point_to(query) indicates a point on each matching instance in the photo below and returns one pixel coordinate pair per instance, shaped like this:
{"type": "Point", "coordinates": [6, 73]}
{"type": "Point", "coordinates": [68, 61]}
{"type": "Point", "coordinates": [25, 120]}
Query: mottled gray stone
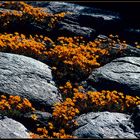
{"type": "Point", "coordinates": [28, 78]}
{"type": "Point", "coordinates": [104, 125]}
{"type": "Point", "coordinates": [122, 74]}
{"type": "Point", "coordinates": [66, 29]}
{"type": "Point", "coordinates": [10, 128]}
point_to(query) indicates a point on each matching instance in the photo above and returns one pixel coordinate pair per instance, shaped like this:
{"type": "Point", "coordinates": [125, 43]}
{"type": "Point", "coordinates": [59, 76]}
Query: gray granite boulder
{"type": "Point", "coordinates": [104, 125]}
{"type": "Point", "coordinates": [90, 19]}
{"type": "Point", "coordinates": [66, 29]}
{"type": "Point", "coordinates": [28, 78]}
{"type": "Point", "coordinates": [122, 74]}
{"type": "Point", "coordinates": [10, 128]}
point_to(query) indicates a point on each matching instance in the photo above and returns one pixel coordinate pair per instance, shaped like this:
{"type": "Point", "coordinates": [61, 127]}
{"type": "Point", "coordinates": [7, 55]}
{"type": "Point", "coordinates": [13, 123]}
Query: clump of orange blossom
{"type": "Point", "coordinates": [112, 101]}
{"type": "Point", "coordinates": [14, 105]}
{"type": "Point", "coordinates": [20, 44]}
{"type": "Point", "coordinates": [24, 12]}
{"type": "Point", "coordinates": [61, 124]}
{"type": "Point", "coordinates": [43, 133]}
{"type": "Point", "coordinates": [74, 56]}
{"type": "Point", "coordinates": [68, 89]}
{"type": "Point", "coordinates": [82, 102]}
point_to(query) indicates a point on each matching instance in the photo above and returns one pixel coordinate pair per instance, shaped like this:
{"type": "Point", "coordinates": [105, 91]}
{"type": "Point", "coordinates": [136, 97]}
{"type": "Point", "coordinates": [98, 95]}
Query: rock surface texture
{"type": "Point", "coordinates": [10, 128]}
{"type": "Point", "coordinates": [122, 74]}
{"type": "Point", "coordinates": [104, 125]}
{"type": "Point", "coordinates": [28, 78]}
{"type": "Point", "coordinates": [84, 19]}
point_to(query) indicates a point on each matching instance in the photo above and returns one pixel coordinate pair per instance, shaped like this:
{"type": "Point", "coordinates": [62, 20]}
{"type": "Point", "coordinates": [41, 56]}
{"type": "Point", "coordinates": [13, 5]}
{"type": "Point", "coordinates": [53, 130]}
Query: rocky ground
{"type": "Point", "coordinates": [67, 72]}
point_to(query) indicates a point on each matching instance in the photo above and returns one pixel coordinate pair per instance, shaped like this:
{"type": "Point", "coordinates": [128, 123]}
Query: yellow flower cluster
{"type": "Point", "coordinates": [112, 101]}
{"type": "Point", "coordinates": [68, 90]}
{"type": "Point", "coordinates": [75, 55]}
{"type": "Point", "coordinates": [65, 112]}
{"type": "Point", "coordinates": [43, 133]}
{"type": "Point", "coordinates": [93, 101]}
{"type": "Point", "coordinates": [34, 135]}
{"type": "Point", "coordinates": [20, 44]}
{"type": "Point", "coordinates": [29, 13]}
{"type": "Point", "coordinates": [62, 135]}
{"type": "Point", "coordinates": [15, 103]}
